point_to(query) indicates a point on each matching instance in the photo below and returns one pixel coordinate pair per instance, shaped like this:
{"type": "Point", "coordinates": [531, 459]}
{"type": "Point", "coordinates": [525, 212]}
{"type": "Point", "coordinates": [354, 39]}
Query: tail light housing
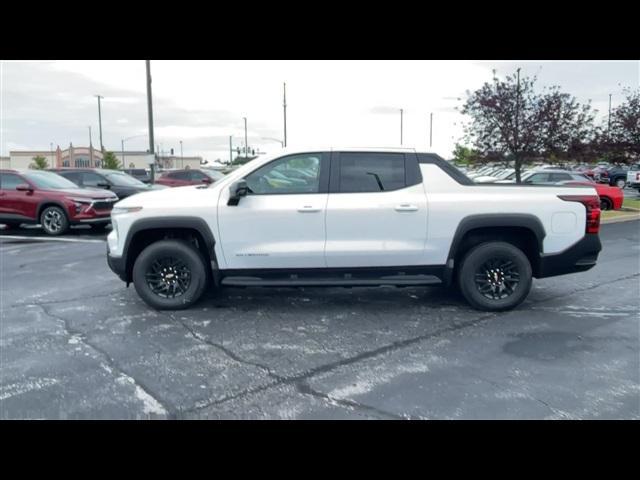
{"type": "Point", "coordinates": [592, 206]}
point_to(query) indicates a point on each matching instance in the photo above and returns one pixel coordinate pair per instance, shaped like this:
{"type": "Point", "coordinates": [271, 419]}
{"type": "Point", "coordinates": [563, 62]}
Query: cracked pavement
{"type": "Point", "coordinates": [76, 344]}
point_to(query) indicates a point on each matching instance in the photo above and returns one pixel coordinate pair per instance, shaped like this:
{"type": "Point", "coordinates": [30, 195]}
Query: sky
{"type": "Point", "coordinates": [333, 103]}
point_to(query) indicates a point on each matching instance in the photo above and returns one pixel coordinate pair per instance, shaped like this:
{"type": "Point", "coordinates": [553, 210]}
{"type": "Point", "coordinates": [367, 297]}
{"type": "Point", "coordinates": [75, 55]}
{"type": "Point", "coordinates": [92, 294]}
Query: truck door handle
{"type": "Point", "coordinates": [405, 207]}
{"type": "Point", "coordinates": [308, 209]}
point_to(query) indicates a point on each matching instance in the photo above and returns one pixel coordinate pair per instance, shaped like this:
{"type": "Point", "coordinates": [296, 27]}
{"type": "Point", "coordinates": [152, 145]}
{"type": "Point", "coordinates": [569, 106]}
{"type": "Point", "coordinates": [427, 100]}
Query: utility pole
{"type": "Point", "coordinates": [100, 121]}
{"type": "Point", "coordinates": [90, 149]}
{"type": "Point", "coordinates": [431, 130]}
{"type": "Point", "coordinates": [181, 155]}
{"type": "Point", "coordinates": [284, 106]}
{"type": "Point", "coordinates": [150, 116]}
{"type": "Point", "coordinates": [401, 112]}
{"type": "Point", "coordinates": [609, 120]}
{"type": "Point", "coordinates": [516, 145]}
{"type": "Point", "coordinates": [246, 143]}
{"type": "Point", "coordinates": [123, 164]}
{"type": "Point", "coordinates": [230, 149]}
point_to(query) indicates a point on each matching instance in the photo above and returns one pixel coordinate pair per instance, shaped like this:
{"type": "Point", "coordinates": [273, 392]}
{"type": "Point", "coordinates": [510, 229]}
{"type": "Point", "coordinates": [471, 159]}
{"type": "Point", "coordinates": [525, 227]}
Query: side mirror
{"type": "Point", "coordinates": [207, 180]}
{"type": "Point", "coordinates": [237, 190]}
{"type": "Point", "coordinates": [103, 185]}
{"type": "Point", "coordinates": [24, 187]}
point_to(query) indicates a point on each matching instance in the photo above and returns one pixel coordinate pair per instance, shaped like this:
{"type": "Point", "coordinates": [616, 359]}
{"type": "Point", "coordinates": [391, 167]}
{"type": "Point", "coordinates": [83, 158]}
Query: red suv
{"type": "Point", "coordinates": [36, 196]}
{"type": "Point", "coordinates": [181, 178]}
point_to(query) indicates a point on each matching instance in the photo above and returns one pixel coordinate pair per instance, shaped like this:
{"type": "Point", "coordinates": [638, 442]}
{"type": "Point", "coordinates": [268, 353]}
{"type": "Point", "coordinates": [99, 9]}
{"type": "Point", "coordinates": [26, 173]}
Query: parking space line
{"type": "Point", "coordinates": [52, 239]}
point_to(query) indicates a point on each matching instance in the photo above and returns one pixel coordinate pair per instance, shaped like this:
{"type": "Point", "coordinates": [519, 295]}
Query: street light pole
{"type": "Point", "coordinates": [230, 149]}
{"type": "Point", "coordinates": [609, 120]}
{"type": "Point", "coordinates": [517, 163]}
{"type": "Point", "coordinates": [100, 121]}
{"type": "Point", "coordinates": [125, 140]}
{"type": "Point", "coordinates": [246, 143]}
{"type": "Point", "coordinates": [150, 116]}
{"type": "Point", "coordinates": [431, 130]}
{"type": "Point", "coordinates": [51, 148]}
{"type": "Point", "coordinates": [284, 106]}
{"type": "Point", "coordinates": [401, 112]}
{"type": "Point", "coordinates": [181, 155]}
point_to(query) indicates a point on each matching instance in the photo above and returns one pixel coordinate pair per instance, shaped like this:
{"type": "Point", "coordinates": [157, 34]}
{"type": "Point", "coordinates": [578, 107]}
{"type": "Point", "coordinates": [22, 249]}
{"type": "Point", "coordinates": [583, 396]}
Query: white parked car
{"type": "Point", "coordinates": [352, 217]}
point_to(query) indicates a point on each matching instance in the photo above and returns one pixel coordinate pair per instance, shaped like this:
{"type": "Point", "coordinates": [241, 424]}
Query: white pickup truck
{"type": "Point", "coordinates": [352, 217]}
{"type": "Point", "coordinates": [633, 176]}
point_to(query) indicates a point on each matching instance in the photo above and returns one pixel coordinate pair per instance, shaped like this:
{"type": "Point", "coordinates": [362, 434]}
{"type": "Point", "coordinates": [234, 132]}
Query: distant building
{"type": "Point", "coordinates": [89, 157]}
{"type": "Point", "coordinates": [71, 157]}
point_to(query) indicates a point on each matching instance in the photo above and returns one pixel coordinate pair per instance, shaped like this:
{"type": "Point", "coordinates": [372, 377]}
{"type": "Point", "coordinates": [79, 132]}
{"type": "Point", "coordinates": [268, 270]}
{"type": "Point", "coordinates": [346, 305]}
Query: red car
{"type": "Point", "coordinates": [610, 197]}
{"type": "Point", "coordinates": [36, 196]}
{"type": "Point", "coordinates": [181, 178]}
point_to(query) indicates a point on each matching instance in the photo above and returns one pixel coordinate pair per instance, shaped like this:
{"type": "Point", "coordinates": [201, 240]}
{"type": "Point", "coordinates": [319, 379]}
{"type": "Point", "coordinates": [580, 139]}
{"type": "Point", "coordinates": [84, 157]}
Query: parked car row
{"type": "Point", "coordinates": [611, 197]}
{"type": "Point", "coordinates": [59, 198]}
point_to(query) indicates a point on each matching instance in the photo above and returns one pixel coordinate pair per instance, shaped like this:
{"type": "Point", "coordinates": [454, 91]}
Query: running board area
{"type": "Point", "coordinates": [325, 281]}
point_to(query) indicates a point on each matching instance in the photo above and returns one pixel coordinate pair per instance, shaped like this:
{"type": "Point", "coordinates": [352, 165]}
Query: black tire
{"type": "Point", "coordinates": [605, 204]}
{"type": "Point", "coordinates": [620, 183]}
{"type": "Point", "coordinates": [174, 259]}
{"type": "Point", "coordinates": [54, 221]}
{"type": "Point", "coordinates": [503, 273]}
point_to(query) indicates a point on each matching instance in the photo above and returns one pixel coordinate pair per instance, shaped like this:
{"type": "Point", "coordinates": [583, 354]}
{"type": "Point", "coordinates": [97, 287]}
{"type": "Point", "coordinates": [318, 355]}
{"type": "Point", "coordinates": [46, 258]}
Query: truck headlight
{"type": "Point", "coordinates": [122, 210]}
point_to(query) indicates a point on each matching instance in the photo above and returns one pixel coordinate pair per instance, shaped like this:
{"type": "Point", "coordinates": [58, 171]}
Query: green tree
{"type": "Point", "coordinates": [39, 163]}
{"type": "Point", "coordinates": [110, 161]}
{"type": "Point", "coordinates": [463, 155]}
{"type": "Point", "coordinates": [515, 121]}
{"type": "Point", "coordinates": [619, 141]}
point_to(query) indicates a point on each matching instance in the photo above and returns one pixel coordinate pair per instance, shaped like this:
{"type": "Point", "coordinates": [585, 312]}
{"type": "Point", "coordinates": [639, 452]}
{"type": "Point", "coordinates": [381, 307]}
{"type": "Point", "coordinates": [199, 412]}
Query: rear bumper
{"type": "Point", "coordinates": [579, 257]}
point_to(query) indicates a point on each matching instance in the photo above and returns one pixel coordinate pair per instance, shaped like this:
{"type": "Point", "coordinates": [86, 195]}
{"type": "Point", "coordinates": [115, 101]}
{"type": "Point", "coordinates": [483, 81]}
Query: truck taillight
{"type": "Point", "coordinates": [638, 176]}
{"type": "Point", "coordinates": [592, 205]}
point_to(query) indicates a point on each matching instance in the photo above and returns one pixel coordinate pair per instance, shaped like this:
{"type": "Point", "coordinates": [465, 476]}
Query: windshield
{"type": "Point", "coordinates": [121, 179]}
{"type": "Point", "coordinates": [49, 180]}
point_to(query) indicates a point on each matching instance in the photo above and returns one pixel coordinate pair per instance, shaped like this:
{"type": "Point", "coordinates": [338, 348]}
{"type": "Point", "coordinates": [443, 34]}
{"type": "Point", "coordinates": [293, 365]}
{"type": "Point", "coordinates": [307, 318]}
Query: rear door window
{"type": "Point", "coordinates": [371, 172]}
{"type": "Point", "coordinates": [560, 177]}
{"type": "Point", "coordinates": [91, 179]}
{"type": "Point", "coordinates": [538, 178]}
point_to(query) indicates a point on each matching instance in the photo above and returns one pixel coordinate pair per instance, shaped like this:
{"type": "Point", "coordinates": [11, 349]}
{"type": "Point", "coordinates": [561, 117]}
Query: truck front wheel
{"type": "Point", "coordinates": [495, 276]}
{"type": "Point", "coordinates": [170, 275]}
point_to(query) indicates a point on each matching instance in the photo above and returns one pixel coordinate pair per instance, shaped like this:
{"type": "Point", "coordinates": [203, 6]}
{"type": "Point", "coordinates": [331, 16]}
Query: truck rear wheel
{"type": "Point", "coordinates": [170, 275]}
{"type": "Point", "coordinates": [495, 276]}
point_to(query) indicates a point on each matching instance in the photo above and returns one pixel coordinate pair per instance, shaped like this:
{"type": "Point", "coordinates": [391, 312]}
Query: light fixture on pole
{"type": "Point", "coordinates": [431, 130]}
{"type": "Point", "coordinates": [124, 165]}
{"type": "Point", "coordinates": [246, 143]}
{"type": "Point", "coordinates": [282, 144]}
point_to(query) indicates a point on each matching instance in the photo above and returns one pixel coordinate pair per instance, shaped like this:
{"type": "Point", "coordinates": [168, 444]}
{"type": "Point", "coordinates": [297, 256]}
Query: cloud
{"type": "Point", "coordinates": [204, 102]}
{"type": "Point", "coordinates": [384, 110]}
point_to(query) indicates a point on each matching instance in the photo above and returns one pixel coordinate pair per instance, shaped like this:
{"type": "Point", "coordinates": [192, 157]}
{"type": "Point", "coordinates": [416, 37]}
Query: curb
{"type": "Point", "coordinates": [623, 218]}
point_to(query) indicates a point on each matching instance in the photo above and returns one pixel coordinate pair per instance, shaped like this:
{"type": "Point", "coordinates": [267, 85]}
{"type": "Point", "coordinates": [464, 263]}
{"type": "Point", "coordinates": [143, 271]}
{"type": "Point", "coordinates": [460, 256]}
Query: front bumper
{"type": "Point", "coordinates": [117, 265]}
{"type": "Point", "coordinates": [95, 220]}
{"type": "Point", "coordinates": [580, 257]}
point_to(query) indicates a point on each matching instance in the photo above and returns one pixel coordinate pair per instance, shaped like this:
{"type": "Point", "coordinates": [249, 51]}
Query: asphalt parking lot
{"type": "Point", "coordinates": [75, 343]}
